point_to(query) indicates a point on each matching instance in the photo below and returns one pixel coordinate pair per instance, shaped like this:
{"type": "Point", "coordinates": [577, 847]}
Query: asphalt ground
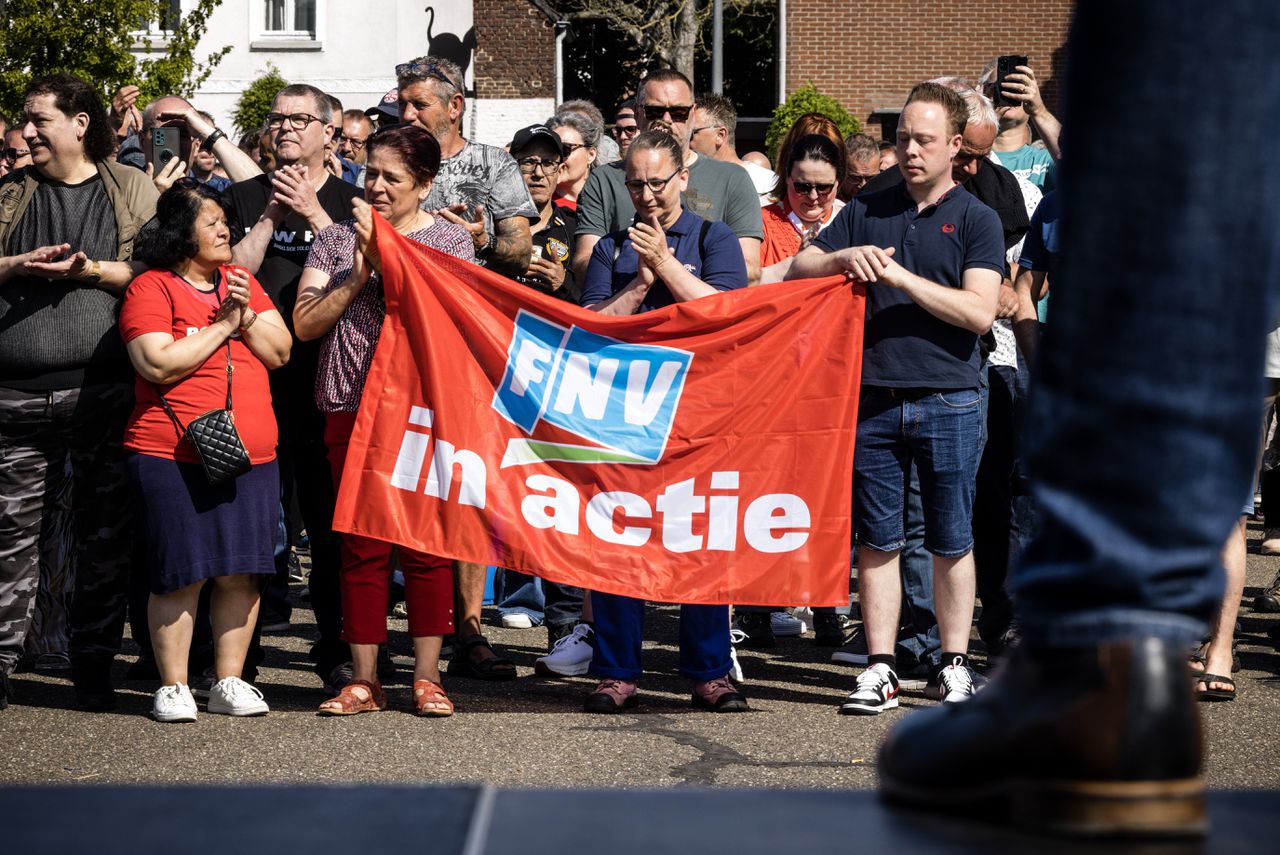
{"type": "Point", "coordinates": [531, 732]}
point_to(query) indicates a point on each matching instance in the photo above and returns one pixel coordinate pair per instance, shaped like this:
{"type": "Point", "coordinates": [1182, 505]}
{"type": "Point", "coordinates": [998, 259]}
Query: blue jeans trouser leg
{"type": "Point", "coordinates": [1149, 388]}
{"type": "Point", "coordinates": [704, 639]}
{"type": "Point", "coordinates": [916, 567]}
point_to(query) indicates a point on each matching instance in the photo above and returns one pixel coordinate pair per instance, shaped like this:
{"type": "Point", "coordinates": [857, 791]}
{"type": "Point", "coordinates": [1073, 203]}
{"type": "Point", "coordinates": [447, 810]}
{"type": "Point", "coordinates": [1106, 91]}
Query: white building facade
{"type": "Point", "coordinates": [347, 49]}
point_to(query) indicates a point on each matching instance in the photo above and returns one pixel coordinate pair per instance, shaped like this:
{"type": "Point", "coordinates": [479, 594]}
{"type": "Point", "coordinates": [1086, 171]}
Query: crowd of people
{"type": "Point", "coordinates": [138, 296]}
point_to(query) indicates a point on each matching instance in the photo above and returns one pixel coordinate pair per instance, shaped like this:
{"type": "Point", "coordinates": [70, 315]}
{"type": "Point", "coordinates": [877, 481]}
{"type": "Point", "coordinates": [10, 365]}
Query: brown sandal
{"type": "Point", "coordinates": [429, 700]}
{"type": "Point", "coordinates": [349, 702]}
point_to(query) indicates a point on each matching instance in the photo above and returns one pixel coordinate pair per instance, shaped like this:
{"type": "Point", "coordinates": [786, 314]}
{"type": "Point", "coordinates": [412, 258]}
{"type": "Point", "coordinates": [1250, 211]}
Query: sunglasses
{"type": "Point", "coordinates": [804, 188]}
{"type": "Point", "coordinates": [428, 69]}
{"type": "Point", "coordinates": [570, 147]}
{"type": "Point", "coordinates": [678, 114]}
{"type": "Point", "coordinates": [15, 153]}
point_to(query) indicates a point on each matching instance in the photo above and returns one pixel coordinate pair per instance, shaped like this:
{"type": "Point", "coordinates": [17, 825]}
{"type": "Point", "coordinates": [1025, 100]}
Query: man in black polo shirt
{"type": "Point", "coordinates": [933, 259]}
{"type": "Point", "coordinates": [275, 219]}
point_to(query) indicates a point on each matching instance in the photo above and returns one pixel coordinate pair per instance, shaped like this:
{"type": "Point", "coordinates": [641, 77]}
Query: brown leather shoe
{"type": "Point", "coordinates": [1100, 741]}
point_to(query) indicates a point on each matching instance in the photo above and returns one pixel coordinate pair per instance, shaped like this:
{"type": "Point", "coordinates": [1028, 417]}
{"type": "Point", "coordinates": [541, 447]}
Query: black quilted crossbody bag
{"type": "Point", "coordinates": [215, 439]}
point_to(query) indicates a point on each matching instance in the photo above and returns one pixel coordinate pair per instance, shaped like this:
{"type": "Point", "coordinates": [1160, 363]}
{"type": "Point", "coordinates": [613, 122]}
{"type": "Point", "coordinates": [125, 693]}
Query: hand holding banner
{"type": "Point", "coordinates": [701, 453]}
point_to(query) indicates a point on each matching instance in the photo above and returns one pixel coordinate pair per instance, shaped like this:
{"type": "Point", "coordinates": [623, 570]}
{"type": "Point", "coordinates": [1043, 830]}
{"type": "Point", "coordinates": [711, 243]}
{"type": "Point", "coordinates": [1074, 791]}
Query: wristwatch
{"type": "Point", "coordinates": [487, 249]}
{"type": "Point", "coordinates": [212, 140]}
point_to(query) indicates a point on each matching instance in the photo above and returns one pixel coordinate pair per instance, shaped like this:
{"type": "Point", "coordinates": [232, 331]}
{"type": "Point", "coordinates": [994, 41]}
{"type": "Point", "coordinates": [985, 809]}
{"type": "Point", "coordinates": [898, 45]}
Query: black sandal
{"type": "Point", "coordinates": [495, 668]}
{"type": "Point", "coordinates": [1207, 694]}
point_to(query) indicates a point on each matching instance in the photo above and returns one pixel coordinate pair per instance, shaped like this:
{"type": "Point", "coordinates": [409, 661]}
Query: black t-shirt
{"type": "Point", "coordinates": [292, 387]}
{"type": "Point", "coordinates": [904, 346]}
{"type": "Point", "coordinates": [61, 335]}
{"type": "Point", "coordinates": [291, 244]}
{"type": "Point", "coordinates": [555, 242]}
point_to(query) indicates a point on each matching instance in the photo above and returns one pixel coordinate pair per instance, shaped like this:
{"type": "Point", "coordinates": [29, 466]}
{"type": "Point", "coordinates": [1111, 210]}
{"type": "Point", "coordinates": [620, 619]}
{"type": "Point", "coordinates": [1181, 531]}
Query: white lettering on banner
{"type": "Point", "coordinates": [761, 521]}
{"type": "Point", "coordinates": [578, 387]}
{"type": "Point", "coordinates": [772, 523]}
{"type": "Point", "coordinates": [559, 510]}
{"type": "Point", "coordinates": [600, 511]}
{"type": "Point", "coordinates": [526, 372]}
{"type": "Point", "coordinates": [413, 453]}
{"type": "Point", "coordinates": [641, 409]}
{"type": "Point", "coordinates": [678, 504]}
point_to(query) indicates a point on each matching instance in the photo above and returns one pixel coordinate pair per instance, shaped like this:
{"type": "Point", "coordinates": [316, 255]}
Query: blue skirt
{"type": "Point", "coordinates": [190, 530]}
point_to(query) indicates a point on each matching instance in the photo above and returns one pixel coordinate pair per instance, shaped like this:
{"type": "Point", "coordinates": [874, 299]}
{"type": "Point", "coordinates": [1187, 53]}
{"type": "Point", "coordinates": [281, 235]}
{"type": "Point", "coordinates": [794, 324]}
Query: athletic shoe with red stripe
{"type": "Point", "coordinates": [876, 691]}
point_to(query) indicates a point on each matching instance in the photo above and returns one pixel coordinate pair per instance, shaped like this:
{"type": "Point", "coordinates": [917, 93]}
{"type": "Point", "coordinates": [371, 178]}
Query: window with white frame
{"type": "Point", "coordinates": [163, 25]}
{"type": "Point", "coordinates": [290, 18]}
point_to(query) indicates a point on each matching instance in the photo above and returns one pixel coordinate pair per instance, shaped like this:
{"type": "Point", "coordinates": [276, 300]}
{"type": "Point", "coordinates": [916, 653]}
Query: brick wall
{"type": "Point", "coordinates": [515, 50]}
{"type": "Point", "coordinates": [869, 55]}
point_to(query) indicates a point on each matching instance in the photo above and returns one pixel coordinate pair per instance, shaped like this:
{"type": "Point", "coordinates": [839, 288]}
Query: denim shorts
{"type": "Point", "coordinates": [943, 433]}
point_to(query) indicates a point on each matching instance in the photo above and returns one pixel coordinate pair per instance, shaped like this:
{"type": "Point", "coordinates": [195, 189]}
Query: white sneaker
{"type": "Point", "coordinates": [876, 691]}
{"type": "Point", "coordinates": [173, 703]}
{"type": "Point", "coordinates": [957, 682]}
{"type": "Point", "coordinates": [786, 626]}
{"type": "Point", "coordinates": [233, 696]}
{"type": "Point", "coordinates": [516, 620]}
{"type": "Point", "coordinates": [735, 667]}
{"type": "Point", "coordinates": [570, 656]}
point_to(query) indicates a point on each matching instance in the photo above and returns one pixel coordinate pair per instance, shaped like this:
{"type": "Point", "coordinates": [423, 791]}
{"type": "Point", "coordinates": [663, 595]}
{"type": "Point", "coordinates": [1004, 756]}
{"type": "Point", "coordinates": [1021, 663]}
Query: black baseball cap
{"type": "Point", "coordinates": [527, 136]}
{"type": "Point", "coordinates": [388, 106]}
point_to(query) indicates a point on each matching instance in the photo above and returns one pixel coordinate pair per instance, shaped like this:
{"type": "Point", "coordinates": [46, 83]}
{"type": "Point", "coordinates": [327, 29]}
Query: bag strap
{"type": "Point", "coordinates": [168, 409]}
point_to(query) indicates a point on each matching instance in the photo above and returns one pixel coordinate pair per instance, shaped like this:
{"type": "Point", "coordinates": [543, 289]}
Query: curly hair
{"type": "Point", "coordinates": [170, 238]}
{"type": "Point", "coordinates": [71, 95]}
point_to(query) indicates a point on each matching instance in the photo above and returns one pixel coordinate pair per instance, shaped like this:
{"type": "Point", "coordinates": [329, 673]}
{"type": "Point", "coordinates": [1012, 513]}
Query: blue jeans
{"type": "Point", "coordinates": [941, 433]}
{"type": "Point", "coordinates": [1145, 417]}
{"type": "Point", "coordinates": [704, 639]}
{"type": "Point", "coordinates": [921, 639]}
{"type": "Point", "coordinates": [1003, 515]}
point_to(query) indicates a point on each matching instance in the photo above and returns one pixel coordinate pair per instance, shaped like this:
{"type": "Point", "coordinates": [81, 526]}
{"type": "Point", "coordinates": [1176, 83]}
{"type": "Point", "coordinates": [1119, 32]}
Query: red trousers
{"type": "Point", "coordinates": [366, 569]}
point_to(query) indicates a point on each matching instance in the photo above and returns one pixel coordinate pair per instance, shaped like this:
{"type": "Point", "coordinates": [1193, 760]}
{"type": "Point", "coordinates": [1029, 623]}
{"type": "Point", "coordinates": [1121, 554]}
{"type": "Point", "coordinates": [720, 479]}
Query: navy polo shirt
{"type": "Point", "coordinates": [903, 345]}
{"type": "Point", "coordinates": [716, 259]}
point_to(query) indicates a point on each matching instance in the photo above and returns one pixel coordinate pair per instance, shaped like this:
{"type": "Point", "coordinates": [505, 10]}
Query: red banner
{"type": "Point", "coordinates": [700, 453]}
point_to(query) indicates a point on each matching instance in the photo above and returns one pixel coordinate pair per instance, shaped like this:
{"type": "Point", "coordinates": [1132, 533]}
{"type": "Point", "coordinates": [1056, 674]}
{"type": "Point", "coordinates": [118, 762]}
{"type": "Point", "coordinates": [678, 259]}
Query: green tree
{"type": "Point", "coordinates": [807, 99]}
{"type": "Point", "coordinates": [95, 40]}
{"type": "Point", "coordinates": [255, 102]}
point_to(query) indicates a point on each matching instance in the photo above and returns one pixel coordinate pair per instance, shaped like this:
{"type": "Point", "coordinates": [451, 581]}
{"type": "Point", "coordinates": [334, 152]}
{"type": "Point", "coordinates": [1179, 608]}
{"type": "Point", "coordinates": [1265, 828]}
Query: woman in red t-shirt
{"type": "Point", "coordinates": [193, 325]}
{"type": "Point", "coordinates": [806, 204]}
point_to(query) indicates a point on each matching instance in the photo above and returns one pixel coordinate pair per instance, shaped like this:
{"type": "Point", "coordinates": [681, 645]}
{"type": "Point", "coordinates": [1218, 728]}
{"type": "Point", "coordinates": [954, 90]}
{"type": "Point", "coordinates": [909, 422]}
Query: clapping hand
{"type": "Point", "coordinates": [293, 189]}
{"type": "Point", "coordinates": [367, 259]}
{"type": "Point", "coordinates": [234, 309]}
{"type": "Point", "coordinates": [41, 262]}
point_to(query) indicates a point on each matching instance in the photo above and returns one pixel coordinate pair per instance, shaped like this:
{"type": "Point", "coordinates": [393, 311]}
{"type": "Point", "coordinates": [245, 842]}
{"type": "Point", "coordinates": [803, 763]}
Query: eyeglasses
{"type": "Point", "coordinates": [355, 142]}
{"type": "Point", "coordinates": [704, 128]}
{"type": "Point", "coordinates": [529, 165]}
{"type": "Point", "coordinates": [636, 187]}
{"type": "Point", "coordinates": [570, 147]}
{"type": "Point", "coordinates": [15, 153]}
{"type": "Point", "coordinates": [429, 69]}
{"type": "Point", "coordinates": [297, 121]}
{"type": "Point", "coordinates": [804, 188]}
{"type": "Point", "coordinates": [678, 114]}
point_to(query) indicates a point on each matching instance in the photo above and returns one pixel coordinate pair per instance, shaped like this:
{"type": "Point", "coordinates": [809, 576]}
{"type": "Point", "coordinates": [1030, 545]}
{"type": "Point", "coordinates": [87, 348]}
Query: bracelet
{"type": "Point", "coordinates": [95, 271]}
{"type": "Point", "coordinates": [244, 327]}
{"type": "Point", "coordinates": [212, 140]}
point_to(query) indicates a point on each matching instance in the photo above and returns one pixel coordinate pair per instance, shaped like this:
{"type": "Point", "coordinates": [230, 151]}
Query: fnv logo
{"type": "Point", "coordinates": [620, 398]}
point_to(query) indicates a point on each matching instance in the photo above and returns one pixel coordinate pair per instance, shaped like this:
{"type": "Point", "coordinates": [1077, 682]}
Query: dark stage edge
{"type": "Point", "coordinates": [483, 821]}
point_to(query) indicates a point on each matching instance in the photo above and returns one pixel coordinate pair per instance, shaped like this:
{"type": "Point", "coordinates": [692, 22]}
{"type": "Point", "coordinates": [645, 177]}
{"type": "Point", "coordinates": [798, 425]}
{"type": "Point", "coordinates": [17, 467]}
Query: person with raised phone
{"type": "Point", "coordinates": [668, 255]}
